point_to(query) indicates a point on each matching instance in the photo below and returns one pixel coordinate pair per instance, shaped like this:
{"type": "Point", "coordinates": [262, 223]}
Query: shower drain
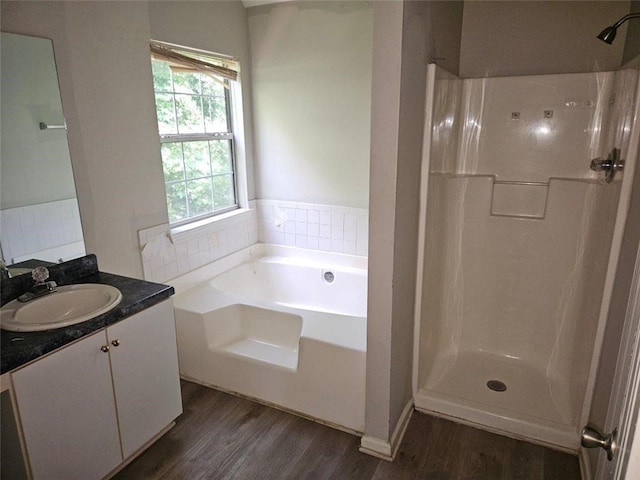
{"type": "Point", "coordinates": [496, 385]}
{"type": "Point", "coordinates": [329, 276]}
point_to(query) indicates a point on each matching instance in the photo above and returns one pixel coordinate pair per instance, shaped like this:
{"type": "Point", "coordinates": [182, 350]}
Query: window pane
{"type": "Point", "coordinates": [189, 110]}
{"type": "Point", "coordinates": [186, 82]}
{"type": "Point", "coordinates": [210, 86]}
{"type": "Point", "coordinates": [215, 114]}
{"type": "Point", "coordinates": [161, 76]}
{"type": "Point", "coordinates": [176, 201]}
{"type": "Point", "coordinates": [172, 162]}
{"type": "Point", "coordinates": [196, 159]}
{"type": "Point", "coordinates": [223, 191]}
{"type": "Point", "coordinates": [220, 156]}
{"type": "Point", "coordinates": [166, 114]}
{"type": "Point", "coordinates": [199, 174]}
{"type": "Point", "coordinates": [200, 197]}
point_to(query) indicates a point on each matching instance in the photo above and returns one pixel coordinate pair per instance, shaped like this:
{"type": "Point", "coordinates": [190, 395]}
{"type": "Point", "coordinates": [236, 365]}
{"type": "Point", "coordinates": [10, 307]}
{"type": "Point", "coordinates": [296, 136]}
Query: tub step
{"type": "Point", "coordinates": [264, 352]}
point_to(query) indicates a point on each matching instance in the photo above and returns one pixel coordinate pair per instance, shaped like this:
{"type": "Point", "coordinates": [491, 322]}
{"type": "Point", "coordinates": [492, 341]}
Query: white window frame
{"type": "Point", "coordinates": [238, 150]}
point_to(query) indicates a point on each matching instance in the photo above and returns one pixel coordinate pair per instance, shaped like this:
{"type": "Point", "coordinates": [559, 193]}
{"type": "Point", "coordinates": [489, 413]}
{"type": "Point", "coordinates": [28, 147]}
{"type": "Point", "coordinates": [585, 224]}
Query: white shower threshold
{"type": "Point", "coordinates": [525, 410]}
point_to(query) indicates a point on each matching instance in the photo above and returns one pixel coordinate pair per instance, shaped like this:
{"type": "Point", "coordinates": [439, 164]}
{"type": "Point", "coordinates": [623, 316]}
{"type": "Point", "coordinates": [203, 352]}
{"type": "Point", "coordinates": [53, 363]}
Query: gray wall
{"type": "Point", "coordinates": [311, 78]}
{"type": "Point", "coordinates": [632, 41]}
{"type": "Point", "coordinates": [403, 38]}
{"type": "Point", "coordinates": [538, 37]}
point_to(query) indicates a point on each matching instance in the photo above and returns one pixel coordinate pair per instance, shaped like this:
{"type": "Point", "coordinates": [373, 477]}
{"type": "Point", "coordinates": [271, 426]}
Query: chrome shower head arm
{"type": "Point", "coordinates": [609, 34]}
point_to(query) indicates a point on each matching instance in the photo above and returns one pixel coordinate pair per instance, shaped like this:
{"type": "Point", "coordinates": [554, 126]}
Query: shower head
{"type": "Point", "coordinates": [608, 35]}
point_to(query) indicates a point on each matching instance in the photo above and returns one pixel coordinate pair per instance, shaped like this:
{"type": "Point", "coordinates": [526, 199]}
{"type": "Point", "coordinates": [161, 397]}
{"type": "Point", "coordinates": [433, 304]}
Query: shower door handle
{"type": "Point", "coordinates": [610, 166]}
{"type": "Point", "coordinates": [592, 437]}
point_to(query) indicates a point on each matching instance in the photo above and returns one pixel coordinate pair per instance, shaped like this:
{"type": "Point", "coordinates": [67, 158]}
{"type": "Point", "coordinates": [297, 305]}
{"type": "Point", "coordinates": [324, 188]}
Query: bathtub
{"type": "Point", "coordinates": [281, 325]}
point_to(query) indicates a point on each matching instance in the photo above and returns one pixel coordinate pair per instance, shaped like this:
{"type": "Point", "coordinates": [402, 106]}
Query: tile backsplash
{"type": "Point", "coordinates": [329, 228]}
{"type": "Point", "coordinates": [165, 256]}
{"type": "Point", "coordinates": [47, 231]}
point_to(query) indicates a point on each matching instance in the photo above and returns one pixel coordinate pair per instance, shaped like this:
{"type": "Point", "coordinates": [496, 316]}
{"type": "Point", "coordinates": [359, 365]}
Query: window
{"type": "Point", "coordinates": [193, 106]}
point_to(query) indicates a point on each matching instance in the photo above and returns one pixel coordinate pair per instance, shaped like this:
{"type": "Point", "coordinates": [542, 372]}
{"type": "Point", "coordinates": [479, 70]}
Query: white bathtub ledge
{"type": "Point", "coordinates": [340, 330]}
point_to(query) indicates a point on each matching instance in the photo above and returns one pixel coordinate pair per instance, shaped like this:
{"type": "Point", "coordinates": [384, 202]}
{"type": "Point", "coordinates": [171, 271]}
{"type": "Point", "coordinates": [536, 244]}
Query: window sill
{"type": "Point", "coordinates": [190, 229]}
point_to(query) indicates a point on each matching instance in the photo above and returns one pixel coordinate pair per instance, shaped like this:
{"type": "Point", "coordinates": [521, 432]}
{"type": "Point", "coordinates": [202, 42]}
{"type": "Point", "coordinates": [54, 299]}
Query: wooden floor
{"type": "Point", "coordinates": [220, 436]}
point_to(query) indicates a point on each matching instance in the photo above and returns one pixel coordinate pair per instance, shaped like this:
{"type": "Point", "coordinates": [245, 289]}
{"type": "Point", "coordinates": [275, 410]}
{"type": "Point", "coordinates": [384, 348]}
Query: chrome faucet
{"type": "Point", "coordinates": [41, 287]}
{"type": "Point", "coordinates": [4, 271]}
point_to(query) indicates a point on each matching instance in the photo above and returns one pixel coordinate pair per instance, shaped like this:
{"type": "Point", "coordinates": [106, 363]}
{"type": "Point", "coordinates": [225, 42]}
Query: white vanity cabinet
{"type": "Point", "coordinates": [89, 406]}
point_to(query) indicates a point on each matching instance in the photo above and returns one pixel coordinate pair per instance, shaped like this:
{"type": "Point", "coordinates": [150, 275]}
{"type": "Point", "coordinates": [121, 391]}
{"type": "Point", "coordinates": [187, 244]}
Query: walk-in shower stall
{"type": "Point", "coordinates": [516, 235]}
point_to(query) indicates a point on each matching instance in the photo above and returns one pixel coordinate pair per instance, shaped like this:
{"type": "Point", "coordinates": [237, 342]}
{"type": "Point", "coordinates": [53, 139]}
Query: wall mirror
{"type": "Point", "coordinates": [39, 216]}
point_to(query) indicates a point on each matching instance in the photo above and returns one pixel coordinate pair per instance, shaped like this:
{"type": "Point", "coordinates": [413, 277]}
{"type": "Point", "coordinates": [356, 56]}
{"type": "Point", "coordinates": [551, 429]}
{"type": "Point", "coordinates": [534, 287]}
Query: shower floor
{"type": "Point", "coordinates": [461, 391]}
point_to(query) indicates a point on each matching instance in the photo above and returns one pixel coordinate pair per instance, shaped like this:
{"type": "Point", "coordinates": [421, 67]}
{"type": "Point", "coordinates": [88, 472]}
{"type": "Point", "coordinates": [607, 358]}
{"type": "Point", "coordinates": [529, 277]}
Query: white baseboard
{"type": "Point", "coordinates": [387, 450]}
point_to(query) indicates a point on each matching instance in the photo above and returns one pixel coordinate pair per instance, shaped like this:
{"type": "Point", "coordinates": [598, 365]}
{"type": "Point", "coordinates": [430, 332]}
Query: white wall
{"type": "Point", "coordinates": [538, 37]}
{"type": "Point", "coordinates": [311, 75]}
{"type": "Point", "coordinates": [102, 50]}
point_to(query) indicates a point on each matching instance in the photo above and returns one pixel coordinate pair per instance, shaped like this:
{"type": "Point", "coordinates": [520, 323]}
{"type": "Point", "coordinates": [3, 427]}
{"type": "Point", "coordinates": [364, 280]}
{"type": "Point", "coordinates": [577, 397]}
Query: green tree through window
{"type": "Point", "coordinates": [194, 122]}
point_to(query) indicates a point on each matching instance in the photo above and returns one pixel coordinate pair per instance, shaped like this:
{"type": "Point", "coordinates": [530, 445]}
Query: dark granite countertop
{"type": "Point", "coordinates": [19, 348]}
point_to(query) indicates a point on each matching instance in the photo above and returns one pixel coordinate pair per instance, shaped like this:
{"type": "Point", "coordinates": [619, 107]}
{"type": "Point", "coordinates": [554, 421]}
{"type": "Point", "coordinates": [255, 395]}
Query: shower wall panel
{"type": "Point", "coordinates": [535, 127]}
{"type": "Point", "coordinates": [517, 236]}
{"type": "Point", "coordinates": [447, 98]}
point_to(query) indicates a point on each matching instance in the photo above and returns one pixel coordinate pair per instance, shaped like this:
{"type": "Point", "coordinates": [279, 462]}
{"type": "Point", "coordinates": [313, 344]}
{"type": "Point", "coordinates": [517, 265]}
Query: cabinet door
{"type": "Point", "coordinates": [67, 411]}
{"type": "Point", "coordinates": [145, 374]}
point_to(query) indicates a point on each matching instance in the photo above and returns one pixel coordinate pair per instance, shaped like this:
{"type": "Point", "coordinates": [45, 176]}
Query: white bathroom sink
{"type": "Point", "coordinates": [69, 305]}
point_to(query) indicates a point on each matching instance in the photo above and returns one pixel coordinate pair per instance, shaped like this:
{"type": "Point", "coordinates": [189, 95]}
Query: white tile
{"type": "Point", "coordinates": [159, 274]}
{"type": "Point", "coordinates": [337, 218]}
{"type": "Point", "coordinates": [350, 220]}
{"type": "Point", "coordinates": [182, 252]}
{"type": "Point", "coordinates": [313, 242]}
{"type": "Point", "coordinates": [325, 231]}
{"type": "Point", "coordinates": [350, 234]}
{"type": "Point", "coordinates": [169, 255]}
{"type": "Point", "coordinates": [183, 266]}
{"type": "Point", "coordinates": [289, 227]}
{"type": "Point", "coordinates": [290, 239]}
{"type": "Point", "coordinates": [206, 257]}
{"type": "Point", "coordinates": [192, 246]}
{"type": "Point", "coordinates": [194, 262]}
{"type": "Point", "coordinates": [27, 218]}
{"type": "Point", "coordinates": [313, 216]}
{"type": "Point", "coordinates": [290, 213]}
{"type": "Point", "coordinates": [301, 215]}
{"type": "Point", "coordinates": [313, 230]}
{"type": "Point", "coordinates": [171, 270]}
{"type": "Point", "coordinates": [324, 244]}
{"type": "Point", "coordinates": [274, 237]}
{"type": "Point", "coordinates": [203, 243]}
{"type": "Point", "coordinates": [301, 241]}
{"type": "Point", "coordinates": [337, 233]}
{"type": "Point", "coordinates": [337, 246]}
{"type": "Point", "coordinates": [301, 228]}
{"type": "Point", "coordinates": [223, 236]}
{"type": "Point", "coordinates": [350, 247]}
{"type": "Point", "coordinates": [362, 248]}
{"type": "Point", "coordinates": [325, 218]}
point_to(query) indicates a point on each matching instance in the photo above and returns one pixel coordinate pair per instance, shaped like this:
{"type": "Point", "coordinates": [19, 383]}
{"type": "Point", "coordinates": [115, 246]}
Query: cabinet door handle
{"type": "Point", "coordinates": [104, 348]}
{"type": "Point", "coordinates": [115, 343]}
